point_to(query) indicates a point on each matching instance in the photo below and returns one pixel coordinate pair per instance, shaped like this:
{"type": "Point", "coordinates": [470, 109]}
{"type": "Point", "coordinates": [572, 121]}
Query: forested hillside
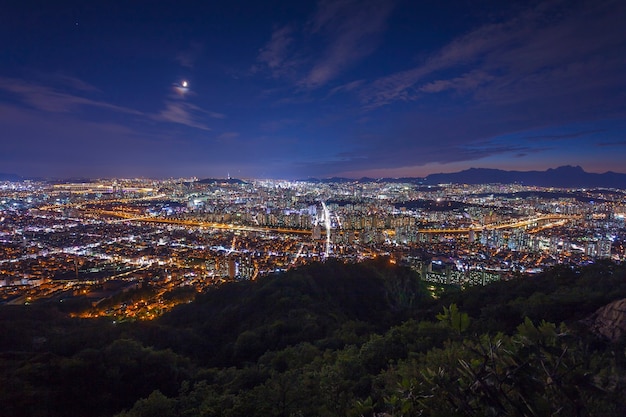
{"type": "Point", "coordinates": [329, 339]}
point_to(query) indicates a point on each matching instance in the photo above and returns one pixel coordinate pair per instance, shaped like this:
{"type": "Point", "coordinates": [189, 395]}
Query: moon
{"type": "Point", "coordinates": [181, 87]}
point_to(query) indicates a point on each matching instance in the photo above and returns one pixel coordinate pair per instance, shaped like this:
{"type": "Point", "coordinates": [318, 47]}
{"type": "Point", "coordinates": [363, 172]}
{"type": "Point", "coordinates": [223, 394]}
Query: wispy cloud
{"type": "Point", "coordinates": [466, 82]}
{"type": "Point", "coordinates": [344, 88]}
{"type": "Point", "coordinates": [51, 100]}
{"type": "Point", "coordinates": [374, 157]}
{"type": "Point", "coordinates": [618, 143]}
{"type": "Point", "coordinates": [545, 50]}
{"type": "Point", "coordinates": [188, 114]}
{"type": "Point", "coordinates": [181, 113]}
{"type": "Point", "coordinates": [353, 30]}
{"type": "Point", "coordinates": [467, 49]}
{"type": "Point", "coordinates": [564, 136]}
{"type": "Point", "coordinates": [276, 55]}
{"type": "Point", "coordinates": [347, 30]}
{"type": "Point", "coordinates": [64, 80]}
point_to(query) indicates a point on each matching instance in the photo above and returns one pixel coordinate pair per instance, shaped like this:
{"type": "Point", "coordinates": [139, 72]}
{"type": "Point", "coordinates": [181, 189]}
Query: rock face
{"type": "Point", "coordinates": [609, 321]}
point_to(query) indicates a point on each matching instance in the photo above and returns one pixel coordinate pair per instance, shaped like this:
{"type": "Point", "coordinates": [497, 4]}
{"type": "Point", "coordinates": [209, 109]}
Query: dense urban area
{"type": "Point", "coordinates": [134, 248]}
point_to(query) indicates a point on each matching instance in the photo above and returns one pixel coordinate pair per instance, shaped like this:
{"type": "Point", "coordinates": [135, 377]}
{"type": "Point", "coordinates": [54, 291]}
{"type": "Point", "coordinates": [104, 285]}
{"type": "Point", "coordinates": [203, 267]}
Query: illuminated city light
{"type": "Point", "coordinates": [111, 237]}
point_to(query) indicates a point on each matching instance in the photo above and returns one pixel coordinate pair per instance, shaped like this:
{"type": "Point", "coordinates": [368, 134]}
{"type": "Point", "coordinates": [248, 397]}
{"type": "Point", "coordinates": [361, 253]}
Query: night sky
{"type": "Point", "coordinates": [294, 89]}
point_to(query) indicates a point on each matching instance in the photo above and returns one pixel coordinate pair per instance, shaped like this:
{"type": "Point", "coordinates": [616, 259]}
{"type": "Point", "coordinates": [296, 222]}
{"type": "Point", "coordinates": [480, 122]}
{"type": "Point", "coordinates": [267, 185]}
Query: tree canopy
{"type": "Point", "coordinates": [329, 339]}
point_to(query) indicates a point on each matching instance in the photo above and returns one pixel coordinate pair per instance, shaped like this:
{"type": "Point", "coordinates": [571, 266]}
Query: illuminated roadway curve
{"type": "Point", "coordinates": [225, 226]}
{"type": "Point", "coordinates": [133, 217]}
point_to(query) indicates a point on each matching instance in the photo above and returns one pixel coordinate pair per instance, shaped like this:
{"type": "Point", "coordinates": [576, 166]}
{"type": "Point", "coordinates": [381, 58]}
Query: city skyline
{"type": "Point", "coordinates": [310, 89]}
{"type": "Point", "coordinates": [97, 239]}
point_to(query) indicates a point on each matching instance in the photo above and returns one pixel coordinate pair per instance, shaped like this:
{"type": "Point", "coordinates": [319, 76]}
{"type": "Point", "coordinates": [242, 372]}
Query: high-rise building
{"type": "Point", "coordinates": [317, 232]}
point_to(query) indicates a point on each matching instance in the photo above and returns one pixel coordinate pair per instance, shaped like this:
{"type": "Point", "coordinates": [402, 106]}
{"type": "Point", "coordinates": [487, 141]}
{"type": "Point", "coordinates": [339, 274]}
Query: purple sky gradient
{"type": "Point", "coordinates": [288, 89]}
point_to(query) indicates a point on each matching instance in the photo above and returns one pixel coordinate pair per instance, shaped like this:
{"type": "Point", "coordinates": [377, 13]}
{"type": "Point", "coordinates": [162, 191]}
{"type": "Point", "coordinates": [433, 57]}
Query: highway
{"type": "Point", "coordinates": [556, 219]}
{"type": "Point", "coordinates": [196, 223]}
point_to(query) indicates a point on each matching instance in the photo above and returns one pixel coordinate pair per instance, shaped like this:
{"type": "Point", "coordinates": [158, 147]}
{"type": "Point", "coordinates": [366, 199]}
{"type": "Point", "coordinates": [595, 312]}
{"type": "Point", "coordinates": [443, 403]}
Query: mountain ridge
{"type": "Point", "coordinates": [566, 176]}
{"type": "Point", "coordinates": [10, 177]}
{"type": "Point", "coordinates": [563, 177]}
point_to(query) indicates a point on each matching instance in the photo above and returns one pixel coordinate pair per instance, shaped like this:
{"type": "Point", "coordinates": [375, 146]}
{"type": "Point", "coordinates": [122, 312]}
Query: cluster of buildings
{"type": "Point", "coordinates": [59, 242]}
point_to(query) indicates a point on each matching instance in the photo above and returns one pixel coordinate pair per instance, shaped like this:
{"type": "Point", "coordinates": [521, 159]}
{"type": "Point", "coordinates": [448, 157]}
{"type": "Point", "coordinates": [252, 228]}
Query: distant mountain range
{"type": "Point", "coordinates": [561, 177]}
{"type": "Point", "coordinates": [10, 177]}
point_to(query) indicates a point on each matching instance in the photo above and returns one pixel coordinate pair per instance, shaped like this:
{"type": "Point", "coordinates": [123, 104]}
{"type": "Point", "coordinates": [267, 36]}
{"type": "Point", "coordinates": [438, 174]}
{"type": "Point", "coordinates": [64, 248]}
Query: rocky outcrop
{"type": "Point", "coordinates": [609, 321]}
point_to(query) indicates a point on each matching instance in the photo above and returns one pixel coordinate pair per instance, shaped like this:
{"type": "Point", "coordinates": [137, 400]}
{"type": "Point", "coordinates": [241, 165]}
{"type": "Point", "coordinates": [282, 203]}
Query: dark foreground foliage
{"type": "Point", "coordinates": [329, 339]}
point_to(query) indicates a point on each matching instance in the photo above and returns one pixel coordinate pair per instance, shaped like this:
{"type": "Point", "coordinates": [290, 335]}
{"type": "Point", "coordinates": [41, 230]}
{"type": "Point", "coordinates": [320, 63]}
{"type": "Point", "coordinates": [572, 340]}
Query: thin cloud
{"type": "Point", "coordinates": [553, 47]}
{"type": "Point", "coordinates": [275, 52]}
{"type": "Point", "coordinates": [461, 51]}
{"type": "Point", "coordinates": [348, 87]}
{"type": "Point", "coordinates": [64, 80]}
{"type": "Point", "coordinates": [50, 100]}
{"type": "Point", "coordinates": [611, 144]}
{"type": "Point", "coordinates": [348, 31]}
{"type": "Point", "coordinates": [212, 114]}
{"type": "Point", "coordinates": [466, 82]}
{"type": "Point", "coordinates": [353, 30]}
{"type": "Point", "coordinates": [373, 158]}
{"type": "Point", "coordinates": [182, 113]}
{"type": "Point", "coordinates": [565, 136]}
{"type": "Point", "coordinates": [276, 55]}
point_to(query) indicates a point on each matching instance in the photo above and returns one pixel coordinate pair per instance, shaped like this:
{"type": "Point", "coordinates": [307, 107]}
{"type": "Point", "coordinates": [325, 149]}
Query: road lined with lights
{"type": "Point", "coordinates": [557, 220]}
